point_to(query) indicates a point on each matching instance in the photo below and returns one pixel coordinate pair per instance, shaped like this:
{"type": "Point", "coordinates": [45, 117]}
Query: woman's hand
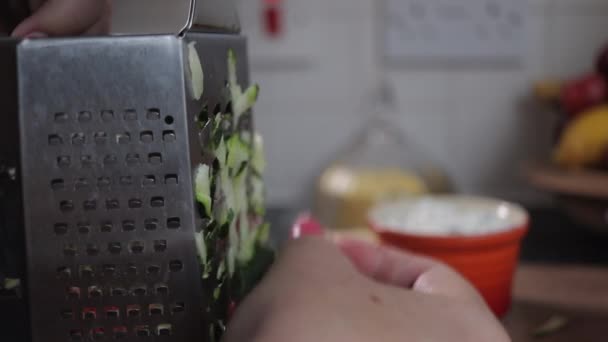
{"type": "Point", "coordinates": [359, 292]}
{"type": "Point", "coordinates": [52, 18]}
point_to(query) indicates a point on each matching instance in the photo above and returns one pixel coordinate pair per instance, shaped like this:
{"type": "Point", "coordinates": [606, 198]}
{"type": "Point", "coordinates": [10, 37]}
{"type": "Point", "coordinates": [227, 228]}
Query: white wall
{"type": "Point", "coordinates": [474, 120]}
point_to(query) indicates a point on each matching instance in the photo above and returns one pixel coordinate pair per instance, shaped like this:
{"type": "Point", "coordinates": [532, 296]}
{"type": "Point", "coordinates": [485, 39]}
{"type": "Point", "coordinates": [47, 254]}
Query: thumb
{"type": "Point", "coordinates": [66, 17]}
{"type": "Point", "coordinates": [406, 270]}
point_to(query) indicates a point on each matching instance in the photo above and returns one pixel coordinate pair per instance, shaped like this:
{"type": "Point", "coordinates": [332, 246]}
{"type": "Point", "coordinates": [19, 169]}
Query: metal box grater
{"type": "Point", "coordinates": [97, 150]}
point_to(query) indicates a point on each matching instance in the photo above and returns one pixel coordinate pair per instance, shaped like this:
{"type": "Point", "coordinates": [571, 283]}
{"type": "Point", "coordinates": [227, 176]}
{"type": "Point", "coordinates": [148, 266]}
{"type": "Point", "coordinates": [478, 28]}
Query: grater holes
{"type": "Point", "coordinates": [132, 159]}
{"type": "Point", "coordinates": [135, 203]}
{"type": "Point", "coordinates": [109, 270]}
{"type": "Point", "coordinates": [123, 138]}
{"type": "Point", "coordinates": [95, 292]}
{"type": "Point", "coordinates": [133, 310]}
{"type": "Point", "coordinates": [126, 180]}
{"type": "Point", "coordinates": [85, 116]}
{"type": "Point", "coordinates": [110, 160]}
{"type": "Point", "coordinates": [98, 334]}
{"type": "Point", "coordinates": [60, 228]}
{"type": "Point", "coordinates": [160, 245]}
{"type": "Point", "coordinates": [157, 202]}
{"type": "Point", "coordinates": [176, 266]}
{"type": "Point", "coordinates": [81, 183]}
{"type": "Point", "coordinates": [137, 247]}
{"type": "Point", "coordinates": [92, 249]}
{"type": "Point", "coordinates": [58, 184]}
{"type": "Point", "coordinates": [132, 269]}
{"type": "Point", "coordinates": [169, 120]}
{"type": "Point", "coordinates": [89, 205]}
{"type": "Point", "coordinates": [67, 314]}
{"type": "Point", "coordinates": [104, 182]}
{"type": "Point", "coordinates": [64, 272]}
{"type": "Point", "coordinates": [86, 161]}
{"type": "Point", "coordinates": [61, 117]}
{"type": "Point", "coordinates": [169, 136]}
{"type": "Point", "coordinates": [55, 140]}
{"type": "Point", "coordinates": [118, 292]}
{"type": "Point", "coordinates": [173, 223]}
{"type": "Point", "coordinates": [83, 227]}
{"type": "Point", "coordinates": [228, 109]}
{"type": "Point", "coordinates": [78, 139]}
{"type": "Point", "coordinates": [107, 115]}
{"type": "Point", "coordinates": [149, 180]}
{"type": "Point", "coordinates": [66, 206]}
{"type": "Point", "coordinates": [153, 114]}
{"type": "Point", "coordinates": [155, 158]}
{"type": "Point", "coordinates": [100, 138]}
{"type": "Point", "coordinates": [139, 291]}
{"type": "Point", "coordinates": [73, 292]}
{"type": "Point", "coordinates": [64, 162]}
{"type": "Point", "coordinates": [89, 314]}
{"type": "Point", "coordinates": [178, 308]}
{"type": "Point", "coordinates": [146, 136]}
{"type": "Point", "coordinates": [112, 203]}
{"type": "Point", "coordinates": [161, 289]}
{"type": "Point", "coordinates": [153, 269]}
{"type": "Point", "coordinates": [130, 115]}
{"type": "Point", "coordinates": [156, 309]}
{"type": "Point", "coordinates": [107, 227]}
{"type": "Point", "coordinates": [128, 225]}
{"type": "Point", "coordinates": [119, 332]}
{"type": "Point", "coordinates": [142, 331]}
{"type": "Point", "coordinates": [164, 329]}
{"type": "Point", "coordinates": [69, 250]}
{"type": "Point", "coordinates": [112, 312]}
{"type": "Point", "coordinates": [151, 224]}
{"type": "Point", "coordinates": [217, 109]}
{"type": "Point", "coordinates": [114, 247]}
{"type": "Point", "coordinates": [86, 271]}
{"type": "Point", "coordinates": [171, 179]}
{"type": "Point", "coordinates": [75, 335]}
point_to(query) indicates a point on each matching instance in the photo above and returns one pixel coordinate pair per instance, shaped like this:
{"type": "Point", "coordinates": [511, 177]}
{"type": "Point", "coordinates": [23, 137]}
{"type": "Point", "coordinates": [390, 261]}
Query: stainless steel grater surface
{"type": "Point", "coordinates": [98, 146]}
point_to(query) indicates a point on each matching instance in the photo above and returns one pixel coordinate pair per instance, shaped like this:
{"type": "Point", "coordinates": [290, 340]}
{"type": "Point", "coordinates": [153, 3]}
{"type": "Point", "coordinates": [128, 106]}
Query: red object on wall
{"type": "Point", "coordinates": [273, 17]}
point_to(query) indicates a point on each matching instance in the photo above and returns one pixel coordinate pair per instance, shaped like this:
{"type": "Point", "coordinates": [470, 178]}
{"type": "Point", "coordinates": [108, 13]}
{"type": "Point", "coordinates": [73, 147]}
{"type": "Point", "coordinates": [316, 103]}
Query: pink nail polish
{"type": "Point", "coordinates": [305, 225]}
{"type": "Point", "coordinates": [35, 35]}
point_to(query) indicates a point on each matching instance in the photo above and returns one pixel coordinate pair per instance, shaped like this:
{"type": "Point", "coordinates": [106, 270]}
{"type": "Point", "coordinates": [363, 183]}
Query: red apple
{"type": "Point", "coordinates": [584, 93]}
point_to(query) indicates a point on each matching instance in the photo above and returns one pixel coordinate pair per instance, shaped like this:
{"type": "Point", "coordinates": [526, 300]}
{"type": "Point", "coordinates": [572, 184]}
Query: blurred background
{"type": "Point", "coordinates": [368, 100]}
{"type": "Point", "coordinates": [461, 77]}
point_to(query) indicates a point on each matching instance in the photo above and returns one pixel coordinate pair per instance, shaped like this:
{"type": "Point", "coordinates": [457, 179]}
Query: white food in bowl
{"type": "Point", "coordinates": [448, 216]}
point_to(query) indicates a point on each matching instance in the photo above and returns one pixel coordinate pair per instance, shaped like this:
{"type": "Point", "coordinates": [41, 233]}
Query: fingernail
{"type": "Point", "coordinates": [35, 35]}
{"type": "Point", "coordinates": [305, 225]}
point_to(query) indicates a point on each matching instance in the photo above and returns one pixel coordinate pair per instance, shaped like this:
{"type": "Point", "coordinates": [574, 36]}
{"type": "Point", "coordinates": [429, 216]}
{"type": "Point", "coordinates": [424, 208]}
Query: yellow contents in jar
{"type": "Point", "coordinates": [345, 195]}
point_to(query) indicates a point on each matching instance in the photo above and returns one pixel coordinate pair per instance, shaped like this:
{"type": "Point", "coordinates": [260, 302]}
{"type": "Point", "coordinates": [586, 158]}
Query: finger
{"type": "Point", "coordinates": [64, 17]}
{"type": "Point", "coordinates": [304, 265]}
{"type": "Point", "coordinates": [102, 26]}
{"type": "Point", "coordinates": [402, 269]}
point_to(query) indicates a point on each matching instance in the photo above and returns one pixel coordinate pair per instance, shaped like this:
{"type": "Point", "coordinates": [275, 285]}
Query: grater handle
{"type": "Point", "coordinates": [190, 19]}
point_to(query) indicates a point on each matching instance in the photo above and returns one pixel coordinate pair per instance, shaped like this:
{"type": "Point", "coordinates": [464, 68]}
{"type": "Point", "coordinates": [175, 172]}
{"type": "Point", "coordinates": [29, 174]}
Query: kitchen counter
{"type": "Point", "coordinates": [577, 293]}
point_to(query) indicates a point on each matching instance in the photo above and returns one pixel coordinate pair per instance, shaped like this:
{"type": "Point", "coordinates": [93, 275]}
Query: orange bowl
{"type": "Point", "coordinates": [487, 260]}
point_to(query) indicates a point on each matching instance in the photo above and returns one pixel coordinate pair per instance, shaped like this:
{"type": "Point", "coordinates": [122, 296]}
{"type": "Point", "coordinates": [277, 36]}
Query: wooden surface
{"type": "Point", "coordinates": [579, 294]}
{"type": "Point", "coordinates": [553, 179]}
